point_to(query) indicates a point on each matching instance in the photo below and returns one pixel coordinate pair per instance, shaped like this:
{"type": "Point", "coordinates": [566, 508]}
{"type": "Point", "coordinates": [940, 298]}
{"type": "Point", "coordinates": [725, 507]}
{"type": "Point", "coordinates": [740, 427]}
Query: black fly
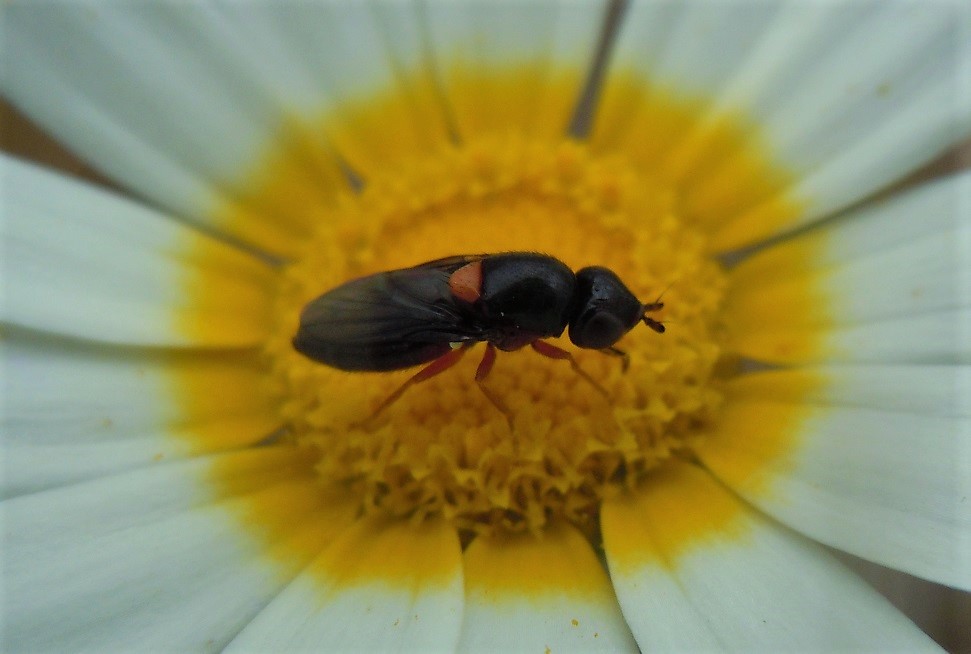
{"type": "Point", "coordinates": [433, 312]}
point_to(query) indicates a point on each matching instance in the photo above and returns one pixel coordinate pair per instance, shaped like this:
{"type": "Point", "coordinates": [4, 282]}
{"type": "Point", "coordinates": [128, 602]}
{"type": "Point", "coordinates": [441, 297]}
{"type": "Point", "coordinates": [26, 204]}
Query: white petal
{"type": "Point", "coordinates": [876, 227]}
{"type": "Point", "coordinates": [934, 338]}
{"type": "Point", "coordinates": [60, 517]}
{"type": "Point", "coordinates": [551, 45]}
{"type": "Point", "coordinates": [76, 410]}
{"type": "Point", "coordinates": [658, 611]}
{"type": "Point", "coordinates": [882, 484]}
{"type": "Point", "coordinates": [847, 96]}
{"type": "Point", "coordinates": [548, 32]}
{"type": "Point", "coordinates": [80, 69]}
{"type": "Point", "coordinates": [380, 587]}
{"type": "Point", "coordinates": [172, 100]}
{"type": "Point", "coordinates": [534, 592]}
{"type": "Point", "coordinates": [84, 263]}
{"type": "Point", "coordinates": [889, 282]}
{"type": "Point", "coordinates": [696, 47]}
{"type": "Point", "coordinates": [920, 129]}
{"type": "Point", "coordinates": [336, 58]}
{"type": "Point", "coordinates": [881, 100]}
{"type": "Point", "coordinates": [759, 587]}
{"type": "Point", "coordinates": [146, 561]}
{"type": "Point", "coordinates": [941, 390]}
{"type": "Point", "coordinates": [918, 277]}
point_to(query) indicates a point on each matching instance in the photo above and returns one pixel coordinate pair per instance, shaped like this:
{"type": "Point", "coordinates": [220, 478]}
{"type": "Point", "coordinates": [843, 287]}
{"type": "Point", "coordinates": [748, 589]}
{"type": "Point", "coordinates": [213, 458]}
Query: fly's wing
{"type": "Point", "coordinates": [386, 321]}
{"type": "Point", "coordinates": [452, 263]}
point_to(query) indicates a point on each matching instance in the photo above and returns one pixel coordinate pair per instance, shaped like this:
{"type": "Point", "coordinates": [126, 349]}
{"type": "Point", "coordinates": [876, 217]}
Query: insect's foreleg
{"type": "Point", "coordinates": [553, 352]}
{"type": "Point", "coordinates": [615, 352]}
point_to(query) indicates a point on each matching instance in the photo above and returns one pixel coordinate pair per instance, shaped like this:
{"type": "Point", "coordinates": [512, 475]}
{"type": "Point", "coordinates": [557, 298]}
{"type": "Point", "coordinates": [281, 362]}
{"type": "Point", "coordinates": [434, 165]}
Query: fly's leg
{"type": "Point", "coordinates": [553, 352]}
{"type": "Point", "coordinates": [615, 352]}
{"type": "Point", "coordinates": [485, 366]}
{"type": "Point", "coordinates": [439, 365]}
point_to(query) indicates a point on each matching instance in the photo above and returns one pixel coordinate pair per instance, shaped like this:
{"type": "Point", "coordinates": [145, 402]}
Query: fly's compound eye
{"type": "Point", "coordinates": [604, 309]}
{"type": "Point", "coordinates": [597, 330]}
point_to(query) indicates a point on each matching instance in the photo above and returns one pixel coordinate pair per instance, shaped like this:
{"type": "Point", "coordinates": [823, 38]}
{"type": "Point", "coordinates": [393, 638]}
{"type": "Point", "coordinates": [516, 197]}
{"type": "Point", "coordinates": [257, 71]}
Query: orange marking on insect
{"type": "Point", "coordinates": [466, 282]}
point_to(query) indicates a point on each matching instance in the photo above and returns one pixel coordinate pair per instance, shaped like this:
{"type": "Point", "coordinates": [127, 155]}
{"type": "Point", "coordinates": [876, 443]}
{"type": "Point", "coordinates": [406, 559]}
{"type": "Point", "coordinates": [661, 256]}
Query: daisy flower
{"type": "Point", "coordinates": [178, 478]}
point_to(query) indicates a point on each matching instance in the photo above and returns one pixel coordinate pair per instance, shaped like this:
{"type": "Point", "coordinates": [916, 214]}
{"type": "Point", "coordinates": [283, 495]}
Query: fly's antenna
{"type": "Point", "coordinates": [656, 325]}
{"type": "Point", "coordinates": [656, 305]}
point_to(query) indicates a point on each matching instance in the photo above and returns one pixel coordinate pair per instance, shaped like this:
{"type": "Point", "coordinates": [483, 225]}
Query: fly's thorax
{"type": "Point", "coordinates": [530, 293]}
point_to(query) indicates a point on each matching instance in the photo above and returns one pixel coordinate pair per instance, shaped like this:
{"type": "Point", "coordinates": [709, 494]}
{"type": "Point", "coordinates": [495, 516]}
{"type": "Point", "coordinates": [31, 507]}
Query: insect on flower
{"type": "Point", "coordinates": [433, 312]}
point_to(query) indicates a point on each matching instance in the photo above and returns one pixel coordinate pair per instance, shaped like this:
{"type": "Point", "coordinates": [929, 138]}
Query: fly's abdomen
{"type": "Point", "coordinates": [367, 357]}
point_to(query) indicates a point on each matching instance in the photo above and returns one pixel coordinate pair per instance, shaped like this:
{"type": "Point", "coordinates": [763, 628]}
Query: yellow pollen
{"type": "Point", "coordinates": [443, 449]}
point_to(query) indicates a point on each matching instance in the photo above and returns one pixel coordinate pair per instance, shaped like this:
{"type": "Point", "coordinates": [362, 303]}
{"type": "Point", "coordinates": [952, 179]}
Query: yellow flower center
{"type": "Point", "coordinates": [443, 448]}
{"type": "Point", "coordinates": [659, 184]}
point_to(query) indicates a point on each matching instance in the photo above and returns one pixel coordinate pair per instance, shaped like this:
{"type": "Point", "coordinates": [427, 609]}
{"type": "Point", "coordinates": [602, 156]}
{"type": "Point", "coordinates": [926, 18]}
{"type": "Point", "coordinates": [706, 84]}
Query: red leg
{"type": "Point", "coordinates": [485, 366]}
{"type": "Point", "coordinates": [439, 365]}
{"type": "Point", "coordinates": [623, 356]}
{"type": "Point", "coordinates": [553, 352]}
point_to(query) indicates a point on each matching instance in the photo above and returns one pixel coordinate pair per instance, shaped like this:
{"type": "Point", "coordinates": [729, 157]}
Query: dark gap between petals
{"type": "Point", "coordinates": [428, 60]}
{"type": "Point", "coordinates": [586, 107]}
